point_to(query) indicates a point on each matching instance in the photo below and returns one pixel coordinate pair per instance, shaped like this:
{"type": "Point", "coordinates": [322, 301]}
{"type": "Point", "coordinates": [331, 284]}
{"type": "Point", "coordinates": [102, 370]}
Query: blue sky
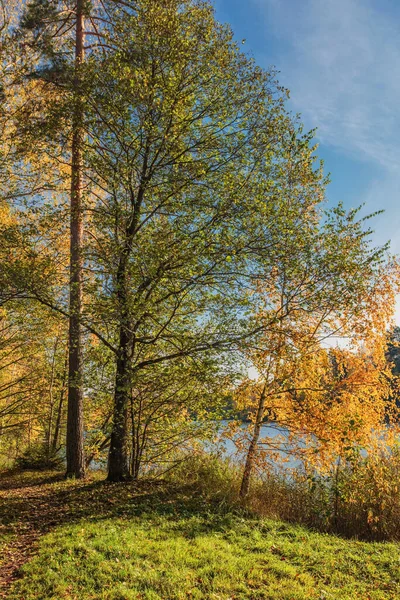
{"type": "Point", "coordinates": [341, 61]}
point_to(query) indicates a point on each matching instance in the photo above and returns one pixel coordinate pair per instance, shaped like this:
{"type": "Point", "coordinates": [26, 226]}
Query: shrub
{"type": "Point", "coordinates": [215, 478]}
{"type": "Point", "coordinates": [369, 493]}
{"type": "Point", "coordinates": [359, 499]}
{"type": "Point", "coordinates": [37, 458]}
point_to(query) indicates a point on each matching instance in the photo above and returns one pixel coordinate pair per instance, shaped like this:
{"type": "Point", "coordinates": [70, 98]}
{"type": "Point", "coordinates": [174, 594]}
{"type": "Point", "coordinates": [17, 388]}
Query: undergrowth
{"type": "Point", "coordinates": [189, 536]}
{"type": "Point", "coordinates": [360, 501]}
{"type": "Point", "coordinates": [169, 542]}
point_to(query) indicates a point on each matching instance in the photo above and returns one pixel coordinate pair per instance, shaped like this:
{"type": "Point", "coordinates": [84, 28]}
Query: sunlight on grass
{"type": "Point", "coordinates": [179, 556]}
{"type": "Point", "coordinates": [5, 539]}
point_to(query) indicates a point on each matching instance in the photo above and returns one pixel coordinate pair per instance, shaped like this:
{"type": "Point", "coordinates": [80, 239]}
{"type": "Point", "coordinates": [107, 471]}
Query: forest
{"type": "Point", "coordinates": [174, 278]}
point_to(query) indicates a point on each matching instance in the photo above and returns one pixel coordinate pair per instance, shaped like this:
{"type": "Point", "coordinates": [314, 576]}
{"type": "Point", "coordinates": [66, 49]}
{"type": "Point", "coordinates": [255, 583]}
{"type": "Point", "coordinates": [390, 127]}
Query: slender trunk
{"type": "Point", "coordinates": [51, 398]}
{"type": "Point", "coordinates": [57, 427]}
{"type": "Point", "coordinates": [337, 496]}
{"type": "Point", "coordinates": [133, 433]}
{"type": "Point", "coordinates": [75, 453]}
{"type": "Point", "coordinates": [248, 468]}
{"type": "Point", "coordinates": [48, 432]}
{"type": "Point", "coordinates": [136, 445]}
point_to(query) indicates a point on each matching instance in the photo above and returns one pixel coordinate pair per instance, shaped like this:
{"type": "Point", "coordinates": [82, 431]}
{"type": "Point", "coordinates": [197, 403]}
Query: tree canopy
{"type": "Point", "coordinates": [165, 222]}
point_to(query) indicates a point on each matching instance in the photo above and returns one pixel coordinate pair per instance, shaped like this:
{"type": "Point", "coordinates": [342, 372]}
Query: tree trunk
{"type": "Point", "coordinates": [51, 398]}
{"type": "Point", "coordinates": [57, 428]}
{"type": "Point", "coordinates": [134, 437]}
{"type": "Point", "coordinates": [118, 457]}
{"type": "Point", "coordinates": [337, 496]}
{"type": "Point", "coordinates": [248, 468]}
{"type": "Point", "coordinates": [118, 460]}
{"type": "Point", "coordinates": [137, 438]}
{"type": "Point", "coordinates": [75, 453]}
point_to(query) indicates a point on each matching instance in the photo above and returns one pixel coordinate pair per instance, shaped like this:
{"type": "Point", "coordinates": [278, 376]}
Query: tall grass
{"type": "Point", "coordinates": [359, 500]}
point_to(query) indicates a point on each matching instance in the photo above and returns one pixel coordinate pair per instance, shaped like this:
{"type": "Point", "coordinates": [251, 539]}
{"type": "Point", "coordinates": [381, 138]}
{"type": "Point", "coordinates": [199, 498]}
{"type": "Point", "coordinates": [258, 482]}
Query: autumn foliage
{"type": "Point", "coordinates": [164, 226]}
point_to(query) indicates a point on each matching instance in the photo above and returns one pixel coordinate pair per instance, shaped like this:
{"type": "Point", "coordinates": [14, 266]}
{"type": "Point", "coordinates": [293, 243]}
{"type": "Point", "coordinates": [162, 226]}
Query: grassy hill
{"type": "Point", "coordinates": [95, 540]}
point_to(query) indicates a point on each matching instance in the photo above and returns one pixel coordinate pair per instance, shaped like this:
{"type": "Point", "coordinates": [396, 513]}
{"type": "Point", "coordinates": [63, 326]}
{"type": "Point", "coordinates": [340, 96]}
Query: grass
{"type": "Point", "coordinates": [154, 557]}
{"type": "Point", "coordinates": [5, 539]}
{"type": "Point", "coordinates": [163, 542]}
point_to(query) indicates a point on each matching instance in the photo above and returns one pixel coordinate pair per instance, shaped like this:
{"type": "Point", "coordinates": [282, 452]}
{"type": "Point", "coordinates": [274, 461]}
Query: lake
{"type": "Point", "coordinates": [268, 430]}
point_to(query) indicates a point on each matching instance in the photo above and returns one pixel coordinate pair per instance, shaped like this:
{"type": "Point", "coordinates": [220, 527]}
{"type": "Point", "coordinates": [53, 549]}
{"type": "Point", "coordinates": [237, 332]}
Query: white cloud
{"type": "Point", "coordinates": [341, 61]}
{"type": "Point", "coordinates": [342, 64]}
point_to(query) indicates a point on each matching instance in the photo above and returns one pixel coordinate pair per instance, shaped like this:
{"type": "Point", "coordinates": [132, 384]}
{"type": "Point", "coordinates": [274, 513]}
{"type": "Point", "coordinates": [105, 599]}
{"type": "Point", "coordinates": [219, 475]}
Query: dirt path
{"type": "Point", "coordinates": [14, 555]}
{"type": "Point", "coordinates": [32, 504]}
{"type": "Point", "coordinates": [28, 509]}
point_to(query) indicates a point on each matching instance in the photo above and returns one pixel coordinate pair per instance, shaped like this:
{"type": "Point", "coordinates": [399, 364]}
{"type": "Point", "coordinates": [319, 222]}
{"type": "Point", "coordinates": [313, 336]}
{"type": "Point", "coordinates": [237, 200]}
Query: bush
{"type": "Point", "coordinates": [37, 458]}
{"type": "Point", "coordinates": [361, 499]}
{"type": "Point", "coordinates": [214, 478]}
{"type": "Point", "coordinates": [369, 497]}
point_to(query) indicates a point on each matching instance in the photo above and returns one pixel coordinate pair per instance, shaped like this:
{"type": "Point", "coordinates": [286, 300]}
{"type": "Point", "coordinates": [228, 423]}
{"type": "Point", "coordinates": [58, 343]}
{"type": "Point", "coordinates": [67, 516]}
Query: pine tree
{"type": "Point", "coordinates": [51, 26]}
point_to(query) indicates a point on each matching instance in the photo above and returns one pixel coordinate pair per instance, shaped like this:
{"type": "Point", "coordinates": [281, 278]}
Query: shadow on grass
{"type": "Point", "coordinates": [43, 501]}
{"type": "Point", "coordinates": [17, 479]}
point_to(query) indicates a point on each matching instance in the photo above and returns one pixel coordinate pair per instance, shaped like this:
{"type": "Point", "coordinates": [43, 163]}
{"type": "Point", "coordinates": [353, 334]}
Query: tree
{"type": "Point", "coordinates": [203, 233]}
{"type": "Point", "coordinates": [48, 22]}
{"type": "Point", "coordinates": [393, 353]}
{"type": "Point", "coordinates": [328, 283]}
{"type": "Point", "coordinates": [33, 340]}
{"type": "Point", "coordinates": [186, 136]}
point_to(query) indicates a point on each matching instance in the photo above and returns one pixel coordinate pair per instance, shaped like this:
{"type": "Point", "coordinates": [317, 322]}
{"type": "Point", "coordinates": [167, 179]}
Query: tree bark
{"type": "Point", "coordinates": [136, 445]}
{"type": "Point", "coordinates": [248, 468]}
{"type": "Point", "coordinates": [57, 428]}
{"type": "Point", "coordinates": [118, 458]}
{"type": "Point", "coordinates": [51, 398]}
{"type": "Point", "coordinates": [75, 452]}
{"type": "Point", "coordinates": [118, 461]}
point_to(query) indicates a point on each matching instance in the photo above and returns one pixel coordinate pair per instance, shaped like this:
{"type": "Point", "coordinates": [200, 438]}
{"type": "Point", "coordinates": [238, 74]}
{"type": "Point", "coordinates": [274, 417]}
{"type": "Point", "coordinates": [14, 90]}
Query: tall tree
{"type": "Point", "coordinates": [185, 135]}
{"type": "Point", "coordinates": [75, 453]}
{"type": "Point", "coordinates": [47, 26]}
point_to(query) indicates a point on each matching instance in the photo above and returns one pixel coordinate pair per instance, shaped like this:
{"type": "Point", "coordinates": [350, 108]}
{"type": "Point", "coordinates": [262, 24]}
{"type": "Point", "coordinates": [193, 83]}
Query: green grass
{"type": "Point", "coordinates": [166, 546]}
{"type": "Point", "coordinates": [5, 539]}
